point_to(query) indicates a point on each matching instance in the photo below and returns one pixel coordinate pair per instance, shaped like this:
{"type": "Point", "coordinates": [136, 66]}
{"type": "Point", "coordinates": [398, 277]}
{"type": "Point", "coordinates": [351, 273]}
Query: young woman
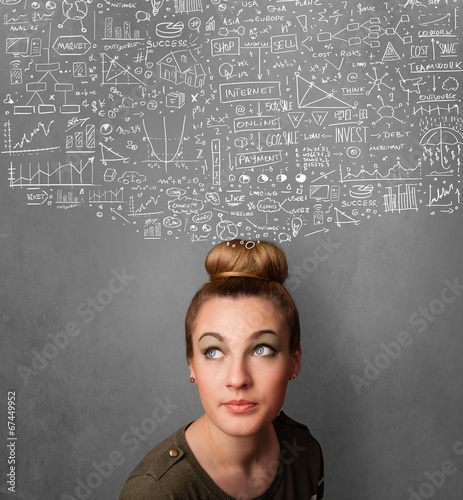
{"type": "Point", "coordinates": [242, 342]}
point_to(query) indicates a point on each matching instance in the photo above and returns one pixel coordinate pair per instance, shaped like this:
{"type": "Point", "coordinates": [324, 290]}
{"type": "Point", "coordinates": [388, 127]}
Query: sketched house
{"type": "Point", "coordinates": [181, 67]}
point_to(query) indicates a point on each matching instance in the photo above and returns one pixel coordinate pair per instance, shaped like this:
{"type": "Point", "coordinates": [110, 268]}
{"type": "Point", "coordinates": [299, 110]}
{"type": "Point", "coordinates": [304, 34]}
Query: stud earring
{"type": "Point", "coordinates": [293, 376]}
{"type": "Point", "coordinates": [192, 380]}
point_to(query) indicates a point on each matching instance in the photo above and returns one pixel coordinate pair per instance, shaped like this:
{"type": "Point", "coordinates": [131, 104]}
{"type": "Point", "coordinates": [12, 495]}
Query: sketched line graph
{"type": "Point", "coordinates": [397, 172]}
{"type": "Point", "coordinates": [144, 208]}
{"type": "Point", "coordinates": [21, 19]}
{"type": "Point", "coordinates": [109, 196]}
{"type": "Point", "coordinates": [444, 197]}
{"type": "Point", "coordinates": [26, 175]}
{"type": "Point", "coordinates": [167, 158]}
{"type": "Point", "coordinates": [18, 147]}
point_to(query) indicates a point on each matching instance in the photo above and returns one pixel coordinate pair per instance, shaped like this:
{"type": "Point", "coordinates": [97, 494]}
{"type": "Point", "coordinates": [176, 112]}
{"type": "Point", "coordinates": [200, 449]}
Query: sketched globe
{"type": "Point", "coordinates": [75, 10]}
{"type": "Point", "coordinates": [226, 230]}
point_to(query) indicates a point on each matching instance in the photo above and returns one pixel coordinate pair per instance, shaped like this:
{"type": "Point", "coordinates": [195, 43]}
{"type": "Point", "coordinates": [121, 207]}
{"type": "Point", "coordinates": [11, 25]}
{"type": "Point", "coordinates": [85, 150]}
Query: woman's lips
{"type": "Point", "coordinates": [241, 406]}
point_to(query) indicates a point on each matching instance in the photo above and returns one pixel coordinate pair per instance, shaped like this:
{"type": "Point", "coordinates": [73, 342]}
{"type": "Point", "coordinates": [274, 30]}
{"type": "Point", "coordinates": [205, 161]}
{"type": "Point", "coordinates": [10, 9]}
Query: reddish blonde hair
{"type": "Point", "coordinates": [246, 269]}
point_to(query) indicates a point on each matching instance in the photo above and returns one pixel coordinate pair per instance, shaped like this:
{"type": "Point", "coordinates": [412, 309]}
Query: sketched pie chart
{"type": "Point", "coordinates": [226, 70]}
{"type": "Point", "coordinates": [106, 128]}
{"type": "Point", "coordinates": [169, 29]}
{"type": "Point", "coordinates": [361, 191]}
{"type": "Point", "coordinates": [353, 152]}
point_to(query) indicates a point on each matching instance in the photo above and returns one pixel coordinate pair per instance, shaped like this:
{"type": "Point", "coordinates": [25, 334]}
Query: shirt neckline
{"type": "Point", "coordinates": [208, 481]}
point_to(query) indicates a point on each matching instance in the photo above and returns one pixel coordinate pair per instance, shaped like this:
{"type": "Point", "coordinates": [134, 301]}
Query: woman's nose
{"type": "Point", "coordinates": [238, 376]}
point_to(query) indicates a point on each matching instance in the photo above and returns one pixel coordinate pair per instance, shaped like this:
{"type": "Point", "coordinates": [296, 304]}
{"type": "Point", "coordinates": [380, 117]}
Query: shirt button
{"type": "Point", "coordinates": [173, 452]}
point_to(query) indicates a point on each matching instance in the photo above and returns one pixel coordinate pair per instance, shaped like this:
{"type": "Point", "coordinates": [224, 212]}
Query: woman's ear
{"type": "Point", "coordinates": [296, 361]}
{"type": "Point", "coordinates": [192, 370]}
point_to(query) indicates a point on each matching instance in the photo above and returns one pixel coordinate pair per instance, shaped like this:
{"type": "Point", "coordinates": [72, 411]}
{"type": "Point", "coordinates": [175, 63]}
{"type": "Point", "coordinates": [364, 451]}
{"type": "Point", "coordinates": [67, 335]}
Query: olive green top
{"type": "Point", "coordinates": [170, 471]}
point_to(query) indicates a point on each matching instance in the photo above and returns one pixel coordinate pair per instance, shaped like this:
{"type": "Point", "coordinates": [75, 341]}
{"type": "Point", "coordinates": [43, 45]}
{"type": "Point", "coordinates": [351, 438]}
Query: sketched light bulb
{"type": "Point", "coordinates": [296, 225]}
{"type": "Point", "coordinates": [156, 4]}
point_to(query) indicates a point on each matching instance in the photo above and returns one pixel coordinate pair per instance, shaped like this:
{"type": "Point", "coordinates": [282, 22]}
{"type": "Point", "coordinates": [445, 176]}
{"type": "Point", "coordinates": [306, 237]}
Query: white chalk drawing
{"type": "Point", "coordinates": [213, 120]}
{"type": "Point", "coordinates": [75, 10]}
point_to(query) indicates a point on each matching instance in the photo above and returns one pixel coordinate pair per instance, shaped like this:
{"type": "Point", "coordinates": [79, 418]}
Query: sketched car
{"type": "Point", "coordinates": [132, 176]}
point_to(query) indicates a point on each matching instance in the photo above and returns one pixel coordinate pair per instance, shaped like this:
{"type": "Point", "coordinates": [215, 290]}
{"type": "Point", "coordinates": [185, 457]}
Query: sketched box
{"type": "Point", "coordinates": [109, 175]}
{"type": "Point", "coordinates": [175, 100]}
{"type": "Point", "coordinates": [241, 142]}
{"type": "Point", "coordinates": [324, 36]}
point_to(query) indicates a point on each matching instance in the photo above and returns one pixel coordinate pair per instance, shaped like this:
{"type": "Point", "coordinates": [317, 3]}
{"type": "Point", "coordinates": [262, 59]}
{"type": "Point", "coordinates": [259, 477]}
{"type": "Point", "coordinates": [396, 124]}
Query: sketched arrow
{"type": "Point", "coordinates": [324, 230]}
{"type": "Point", "coordinates": [44, 199]}
{"type": "Point", "coordinates": [230, 163]}
{"type": "Point", "coordinates": [259, 75]}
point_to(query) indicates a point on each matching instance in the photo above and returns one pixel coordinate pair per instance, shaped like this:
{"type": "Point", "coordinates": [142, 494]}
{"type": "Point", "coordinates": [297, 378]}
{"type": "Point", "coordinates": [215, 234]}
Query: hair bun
{"type": "Point", "coordinates": [247, 259]}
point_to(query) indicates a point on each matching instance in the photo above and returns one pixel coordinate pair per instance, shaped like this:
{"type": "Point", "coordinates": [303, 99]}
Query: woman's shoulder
{"type": "Point", "coordinates": [296, 438]}
{"type": "Point", "coordinates": [145, 480]}
{"type": "Point", "coordinates": [287, 425]}
{"type": "Point", "coordinates": [302, 456]}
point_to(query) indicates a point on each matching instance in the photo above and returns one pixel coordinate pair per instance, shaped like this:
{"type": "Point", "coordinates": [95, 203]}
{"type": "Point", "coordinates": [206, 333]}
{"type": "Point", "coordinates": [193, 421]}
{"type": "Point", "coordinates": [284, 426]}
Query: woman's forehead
{"type": "Point", "coordinates": [240, 316]}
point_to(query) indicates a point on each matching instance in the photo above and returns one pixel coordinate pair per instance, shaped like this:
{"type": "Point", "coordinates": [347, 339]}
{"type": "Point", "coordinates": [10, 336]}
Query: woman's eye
{"type": "Point", "coordinates": [214, 353]}
{"type": "Point", "coordinates": [264, 350]}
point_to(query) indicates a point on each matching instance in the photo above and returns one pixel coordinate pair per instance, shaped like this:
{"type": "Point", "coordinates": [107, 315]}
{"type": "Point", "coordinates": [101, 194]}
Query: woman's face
{"type": "Point", "coordinates": [241, 362]}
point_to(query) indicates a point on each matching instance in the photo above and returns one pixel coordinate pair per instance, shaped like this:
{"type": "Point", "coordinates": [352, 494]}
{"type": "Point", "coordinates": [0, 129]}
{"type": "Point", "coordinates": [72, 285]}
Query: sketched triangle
{"type": "Point", "coordinates": [116, 74]}
{"type": "Point", "coordinates": [343, 218]}
{"type": "Point", "coordinates": [108, 154]}
{"type": "Point", "coordinates": [390, 54]}
{"type": "Point", "coordinates": [319, 116]}
{"type": "Point", "coordinates": [311, 96]}
{"type": "Point", "coordinates": [296, 117]}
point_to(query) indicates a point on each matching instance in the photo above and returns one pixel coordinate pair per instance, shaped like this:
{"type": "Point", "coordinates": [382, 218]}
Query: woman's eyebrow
{"type": "Point", "coordinates": [212, 334]}
{"type": "Point", "coordinates": [254, 336]}
{"type": "Point", "coordinates": [259, 333]}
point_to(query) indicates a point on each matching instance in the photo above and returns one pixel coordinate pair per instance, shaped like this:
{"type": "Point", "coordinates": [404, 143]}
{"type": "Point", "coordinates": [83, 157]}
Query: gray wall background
{"type": "Point", "coordinates": [97, 390]}
{"type": "Point", "coordinates": [80, 409]}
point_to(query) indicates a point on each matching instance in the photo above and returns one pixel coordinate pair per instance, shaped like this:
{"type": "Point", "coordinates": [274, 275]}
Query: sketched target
{"type": "Point", "coordinates": [353, 152]}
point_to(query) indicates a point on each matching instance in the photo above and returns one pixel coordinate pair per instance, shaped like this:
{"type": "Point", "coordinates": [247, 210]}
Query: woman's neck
{"type": "Point", "coordinates": [236, 452]}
